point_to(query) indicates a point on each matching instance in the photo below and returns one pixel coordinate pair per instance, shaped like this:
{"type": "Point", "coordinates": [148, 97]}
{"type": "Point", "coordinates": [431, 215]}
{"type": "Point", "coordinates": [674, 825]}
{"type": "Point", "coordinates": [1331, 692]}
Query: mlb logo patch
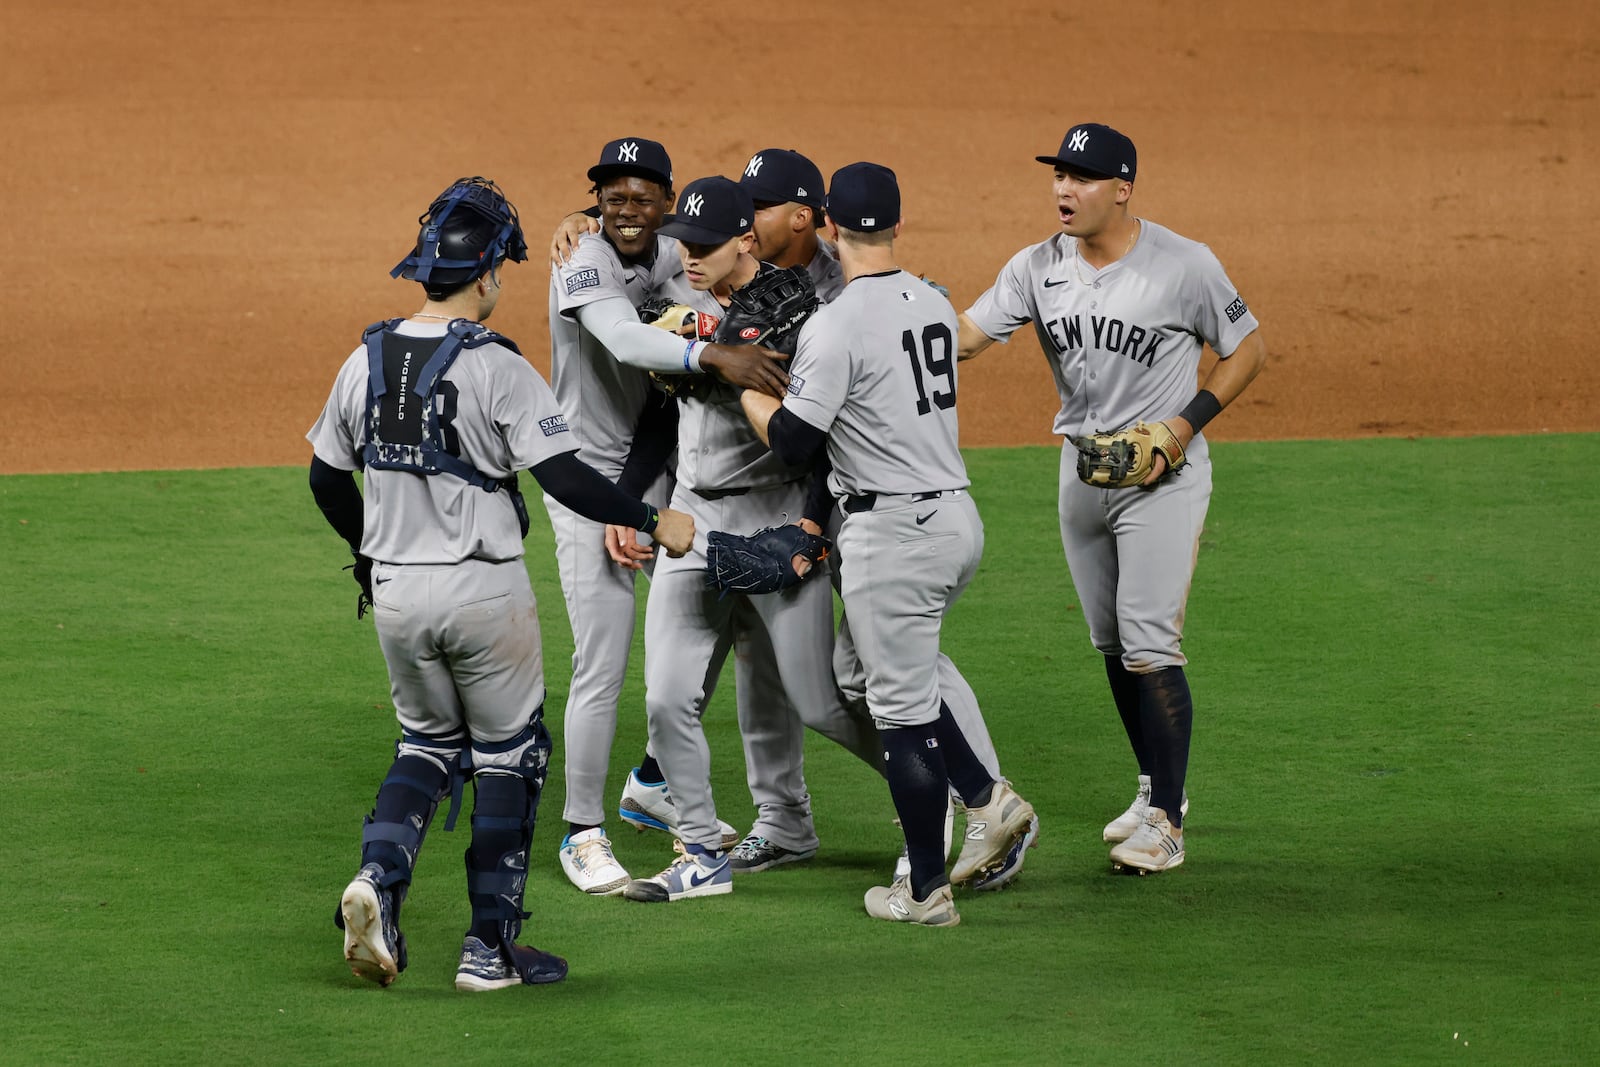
{"type": "Point", "coordinates": [905, 294]}
{"type": "Point", "coordinates": [1236, 310]}
{"type": "Point", "coordinates": [582, 279]}
{"type": "Point", "coordinates": [796, 383]}
{"type": "Point", "coordinates": [553, 425]}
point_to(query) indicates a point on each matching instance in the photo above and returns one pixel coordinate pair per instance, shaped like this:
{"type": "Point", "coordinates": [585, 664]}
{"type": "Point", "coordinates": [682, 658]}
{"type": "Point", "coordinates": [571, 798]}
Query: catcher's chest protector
{"type": "Point", "coordinates": [410, 407]}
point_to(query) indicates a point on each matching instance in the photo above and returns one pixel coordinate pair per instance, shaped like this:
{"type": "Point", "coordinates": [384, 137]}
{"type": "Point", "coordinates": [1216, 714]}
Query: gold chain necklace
{"type": "Point", "coordinates": [1078, 246]}
{"type": "Point", "coordinates": [427, 315]}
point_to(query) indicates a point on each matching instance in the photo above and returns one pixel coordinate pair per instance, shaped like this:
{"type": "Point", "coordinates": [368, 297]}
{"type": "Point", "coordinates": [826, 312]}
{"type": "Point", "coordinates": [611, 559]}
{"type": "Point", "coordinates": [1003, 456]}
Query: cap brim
{"type": "Point", "coordinates": [1056, 161]}
{"type": "Point", "coordinates": [599, 174]}
{"type": "Point", "coordinates": [692, 233]}
{"type": "Point", "coordinates": [767, 194]}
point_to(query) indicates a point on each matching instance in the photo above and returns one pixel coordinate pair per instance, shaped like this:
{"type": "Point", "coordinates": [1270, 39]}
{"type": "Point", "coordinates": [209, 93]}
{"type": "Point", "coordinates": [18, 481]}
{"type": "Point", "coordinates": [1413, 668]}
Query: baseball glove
{"type": "Point", "coordinates": [680, 319]}
{"type": "Point", "coordinates": [763, 562]}
{"type": "Point", "coordinates": [770, 310]}
{"type": "Point", "coordinates": [1122, 459]}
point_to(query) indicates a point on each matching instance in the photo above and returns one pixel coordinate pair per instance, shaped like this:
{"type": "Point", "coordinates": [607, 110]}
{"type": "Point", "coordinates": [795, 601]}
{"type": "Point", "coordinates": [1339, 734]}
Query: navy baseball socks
{"type": "Point", "coordinates": [1166, 715]}
{"type": "Point", "coordinates": [919, 784]}
{"type": "Point", "coordinates": [1125, 692]}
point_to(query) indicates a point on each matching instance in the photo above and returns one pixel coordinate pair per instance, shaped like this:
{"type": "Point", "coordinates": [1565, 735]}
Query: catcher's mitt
{"type": "Point", "coordinates": [763, 562]}
{"type": "Point", "coordinates": [1121, 459]}
{"type": "Point", "coordinates": [770, 310]}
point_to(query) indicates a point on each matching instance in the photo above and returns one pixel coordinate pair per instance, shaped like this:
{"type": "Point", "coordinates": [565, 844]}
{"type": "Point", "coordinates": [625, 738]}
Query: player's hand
{"type": "Point", "coordinates": [747, 367]}
{"type": "Point", "coordinates": [1158, 464]}
{"type": "Point", "coordinates": [565, 240]}
{"type": "Point", "coordinates": [622, 545]}
{"type": "Point", "coordinates": [675, 532]}
{"type": "Point", "coordinates": [800, 561]}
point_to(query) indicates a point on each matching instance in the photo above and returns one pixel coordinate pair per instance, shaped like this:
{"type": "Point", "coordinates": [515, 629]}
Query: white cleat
{"type": "Point", "coordinates": [991, 831]}
{"type": "Point", "coordinates": [1122, 827]}
{"type": "Point", "coordinates": [1155, 846]}
{"type": "Point", "coordinates": [650, 807]}
{"type": "Point", "coordinates": [590, 864]}
{"type": "Point", "coordinates": [896, 904]}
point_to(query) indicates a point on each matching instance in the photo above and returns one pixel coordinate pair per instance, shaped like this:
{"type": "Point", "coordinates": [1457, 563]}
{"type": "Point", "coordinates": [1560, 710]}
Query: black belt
{"type": "Point", "coordinates": [855, 504]}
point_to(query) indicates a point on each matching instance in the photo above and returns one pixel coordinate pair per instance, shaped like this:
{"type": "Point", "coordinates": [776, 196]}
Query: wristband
{"type": "Point", "coordinates": [651, 521]}
{"type": "Point", "coordinates": [690, 364]}
{"type": "Point", "coordinates": [1201, 410]}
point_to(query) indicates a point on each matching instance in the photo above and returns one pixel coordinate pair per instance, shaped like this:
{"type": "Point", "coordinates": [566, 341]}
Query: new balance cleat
{"type": "Point", "coordinates": [373, 944]}
{"type": "Point", "coordinates": [650, 807]}
{"type": "Point", "coordinates": [484, 968]}
{"type": "Point", "coordinates": [756, 853]}
{"type": "Point", "coordinates": [694, 873]}
{"type": "Point", "coordinates": [590, 865]}
{"type": "Point", "coordinates": [991, 831]}
{"type": "Point", "coordinates": [1003, 875]}
{"type": "Point", "coordinates": [1122, 827]}
{"type": "Point", "coordinates": [896, 904]}
{"type": "Point", "coordinates": [1155, 846]}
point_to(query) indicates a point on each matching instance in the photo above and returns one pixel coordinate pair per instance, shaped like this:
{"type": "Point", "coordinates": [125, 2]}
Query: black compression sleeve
{"type": "Point", "coordinates": [1201, 410]}
{"type": "Point", "coordinates": [340, 500]}
{"type": "Point", "coordinates": [794, 439]}
{"type": "Point", "coordinates": [654, 437]}
{"type": "Point", "coordinates": [578, 486]}
{"type": "Point", "coordinates": [819, 501]}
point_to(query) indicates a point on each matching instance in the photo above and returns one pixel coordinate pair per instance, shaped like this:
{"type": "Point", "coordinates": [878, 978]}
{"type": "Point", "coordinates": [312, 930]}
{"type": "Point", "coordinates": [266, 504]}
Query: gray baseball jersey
{"type": "Point", "coordinates": [455, 614]}
{"type": "Point", "coordinates": [826, 274]}
{"type": "Point", "coordinates": [876, 371]}
{"type": "Point", "coordinates": [1124, 343]}
{"type": "Point", "coordinates": [601, 396]}
{"type": "Point", "coordinates": [506, 420]}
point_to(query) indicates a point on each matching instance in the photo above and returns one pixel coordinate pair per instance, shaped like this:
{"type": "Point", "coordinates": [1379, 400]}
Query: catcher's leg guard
{"type": "Point", "coordinates": [508, 779]}
{"type": "Point", "coordinates": [1166, 712]}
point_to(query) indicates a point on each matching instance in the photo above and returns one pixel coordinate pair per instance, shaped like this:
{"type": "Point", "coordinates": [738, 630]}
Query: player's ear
{"type": "Point", "coordinates": [1124, 192]}
{"type": "Point", "coordinates": [800, 221]}
{"type": "Point", "coordinates": [897, 226]}
{"type": "Point", "coordinates": [747, 241]}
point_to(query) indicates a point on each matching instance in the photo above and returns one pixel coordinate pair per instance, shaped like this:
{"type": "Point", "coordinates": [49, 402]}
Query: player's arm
{"type": "Point", "coordinates": [791, 438]}
{"type": "Point", "coordinates": [1222, 387]}
{"type": "Point", "coordinates": [615, 324]}
{"type": "Point", "coordinates": [654, 437]}
{"type": "Point", "coordinates": [337, 494]}
{"type": "Point", "coordinates": [970, 339]}
{"type": "Point", "coordinates": [569, 232]}
{"type": "Point", "coordinates": [580, 488]}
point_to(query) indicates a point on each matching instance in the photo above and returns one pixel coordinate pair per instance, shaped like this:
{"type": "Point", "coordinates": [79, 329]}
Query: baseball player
{"type": "Point", "coordinates": [592, 318]}
{"type": "Point", "coordinates": [730, 481]}
{"type": "Point", "coordinates": [442, 413]}
{"type": "Point", "coordinates": [1122, 307]}
{"type": "Point", "coordinates": [874, 381]}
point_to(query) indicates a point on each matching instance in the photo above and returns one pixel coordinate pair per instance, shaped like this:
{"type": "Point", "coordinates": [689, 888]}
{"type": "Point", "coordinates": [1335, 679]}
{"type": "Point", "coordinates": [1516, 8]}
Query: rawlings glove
{"type": "Point", "coordinates": [1122, 459]}
{"type": "Point", "coordinates": [763, 562]}
{"type": "Point", "coordinates": [770, 310]}
{"type": "Point", "coordinates": [680, 319]}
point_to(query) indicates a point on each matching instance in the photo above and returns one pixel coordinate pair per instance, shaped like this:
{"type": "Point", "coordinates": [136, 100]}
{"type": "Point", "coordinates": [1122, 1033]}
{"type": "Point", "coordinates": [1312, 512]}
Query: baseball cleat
{"type": "Point", "coordinates": [896, 904]}
{"type": "Point", "coordinates": [1122, 827]}
{"type": "Point", "coordinates": [650, 807]}
{"type": "Point", "coordinates": [590, 865]}
{"type": "Point", "coordinates": [902, 866]}
{"type": "Point", "coordinates": [756, 853]}
{"type": "Point", "coordinates": [694, 873]}
{"type": "Point", "coordinates": [373, 944]}
{"type": "Point", "coordinates": [484, 968]}
{"type": "Point", "coordinates": [1006, 873]}
{"type": "Point", "coordinates": [991, 831]}
{"type": "Point", "coordinates": [1155, 846]}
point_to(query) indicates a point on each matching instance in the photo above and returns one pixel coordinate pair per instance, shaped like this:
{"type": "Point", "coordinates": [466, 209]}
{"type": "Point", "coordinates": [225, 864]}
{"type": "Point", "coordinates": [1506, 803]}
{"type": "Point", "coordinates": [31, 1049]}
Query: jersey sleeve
{"type": "Point", "coordinates": [526, 414]}
{"type": "Point", "coordinates": [593, 273]}
{"type": "Point", "coordinates": [335, 437]}
{"type": "Point", "coordinates": [1220, 315]}
{"type": "Point", "coordinates": [1008, 305]}
{"type": "Point", "coordinates": [819, 373]}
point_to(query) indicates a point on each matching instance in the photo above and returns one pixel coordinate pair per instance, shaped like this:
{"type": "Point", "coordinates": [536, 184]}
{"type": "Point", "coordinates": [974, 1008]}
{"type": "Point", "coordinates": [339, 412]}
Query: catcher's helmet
{"type": "Point", "coordinates": [467, 230]}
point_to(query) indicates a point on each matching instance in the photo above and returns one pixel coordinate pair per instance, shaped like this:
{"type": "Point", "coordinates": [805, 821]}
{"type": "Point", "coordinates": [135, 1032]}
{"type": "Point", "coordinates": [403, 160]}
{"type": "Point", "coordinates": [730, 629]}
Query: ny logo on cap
{"type": "Point", "coordinates": [753, 168]}
{"type": "Point", "coordinates": [628, 152]}
{"type": "Point", "coordinates": [692, 205]}
{"type": "Point", "coordinates": [1080, 141]}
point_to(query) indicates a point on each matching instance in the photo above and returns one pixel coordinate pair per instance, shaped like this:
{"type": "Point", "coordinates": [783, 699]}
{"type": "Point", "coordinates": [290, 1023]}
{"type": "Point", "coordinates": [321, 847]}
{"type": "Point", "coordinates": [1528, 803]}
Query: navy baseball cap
{"type": "Point", "coordinates": [781, 175]}
{"type": "Point", "coordinates": [1096, 150]}
{"type": "Point", "coordinates": [710, 211]}
{"type": "Point", "coordinates": [633, 157]}
{"type": "Point", "coordinates": [864, 197]}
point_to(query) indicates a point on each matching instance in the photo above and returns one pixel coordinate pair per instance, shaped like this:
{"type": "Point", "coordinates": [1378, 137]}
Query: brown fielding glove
{"type": "Point", "coordinates": [680, 319]}
{"type": "Point", "coordinates": [1122, 459]}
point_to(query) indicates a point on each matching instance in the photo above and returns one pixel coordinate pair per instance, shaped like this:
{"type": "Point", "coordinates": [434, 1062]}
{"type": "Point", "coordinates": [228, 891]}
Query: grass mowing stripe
{"type": "Point", "coordinates": [1395, 689]}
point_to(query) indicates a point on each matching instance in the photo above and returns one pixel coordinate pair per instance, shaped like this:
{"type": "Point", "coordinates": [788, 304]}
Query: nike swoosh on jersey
{"type": "Point", "coordinates": [379, 581]}
{"type": "Point", "coordinates": [1048, 284]}
{"type": "Point", "coordinates": [924, 518]}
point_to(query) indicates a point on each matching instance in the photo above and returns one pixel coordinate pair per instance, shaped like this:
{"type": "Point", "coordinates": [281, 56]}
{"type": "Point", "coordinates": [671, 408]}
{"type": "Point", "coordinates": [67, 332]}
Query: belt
{"type": "Point", "coordinates": [865, 502]}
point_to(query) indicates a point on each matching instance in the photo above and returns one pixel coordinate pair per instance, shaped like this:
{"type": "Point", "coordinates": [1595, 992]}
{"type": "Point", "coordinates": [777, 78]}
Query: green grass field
{"type": "Point", "coordinates": [1396, 674]}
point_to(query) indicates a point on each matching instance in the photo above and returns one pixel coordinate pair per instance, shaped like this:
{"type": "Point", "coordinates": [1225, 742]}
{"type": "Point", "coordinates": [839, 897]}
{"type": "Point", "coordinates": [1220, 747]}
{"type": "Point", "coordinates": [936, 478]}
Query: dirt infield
{"type": "Point", "coordinates": [203, 206]}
